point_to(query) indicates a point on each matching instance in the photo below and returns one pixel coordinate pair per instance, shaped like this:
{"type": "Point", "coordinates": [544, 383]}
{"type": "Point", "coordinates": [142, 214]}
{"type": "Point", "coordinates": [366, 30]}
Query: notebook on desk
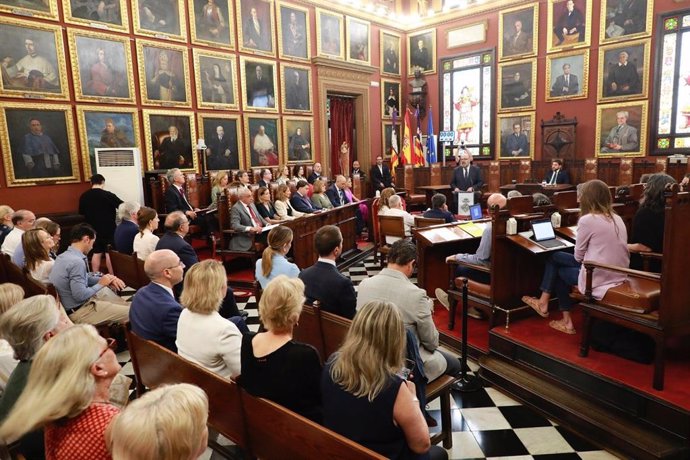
{"type": "Point", "coordinates": [544, 235]}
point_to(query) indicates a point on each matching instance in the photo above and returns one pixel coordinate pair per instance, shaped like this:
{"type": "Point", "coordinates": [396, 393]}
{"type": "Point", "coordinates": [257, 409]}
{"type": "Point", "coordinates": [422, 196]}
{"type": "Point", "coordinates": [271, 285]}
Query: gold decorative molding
{"type": "Point", "coordinates": [338, 69]}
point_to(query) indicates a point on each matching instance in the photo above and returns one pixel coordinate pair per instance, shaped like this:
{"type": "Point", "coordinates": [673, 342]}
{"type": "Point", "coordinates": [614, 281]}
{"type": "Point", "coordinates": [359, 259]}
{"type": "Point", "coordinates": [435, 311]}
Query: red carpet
{"type": "Point", "coordinates": [477, 331]}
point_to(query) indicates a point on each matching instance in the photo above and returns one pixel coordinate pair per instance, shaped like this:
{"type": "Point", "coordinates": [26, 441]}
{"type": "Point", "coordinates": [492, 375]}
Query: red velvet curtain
{"type": "Point", "coordinates": [342, 125]}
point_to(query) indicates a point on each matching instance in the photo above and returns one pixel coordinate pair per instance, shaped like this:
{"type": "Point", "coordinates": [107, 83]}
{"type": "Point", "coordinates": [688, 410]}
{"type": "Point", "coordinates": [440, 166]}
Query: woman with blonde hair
{"type": "Point", "coordinates": [203, 335]}
{"type": "Point", "coordinates": [6, 225]}
{"type": "Point", "coordinates": [67, 390]}
{"type": "Point", "coordinates": [602, 238]}
{"type": "Point", "coordinates": [318, 197]}
{"type": "Point", "coordinates": [273, 261]}
{"type": "Point", "coordinates": [284, 208]}
{"type": "Point", "coordinates": [10, 295]}
{"type": "Point", "coordinates": [166, 423]}
{"type": "Point", "coordinates": [386, 193]}
{"type": "Point", "coordinates": [283, 175]}
{"type": "Point", "coordinates": [145, 241]}
{"type": "Point", "coordinates": [220, 183]}
{"type": "Point", "coordinates": [262, 200]}
{"type": "Point", "coordinates": [37, 244]}
{"type": "Point", "coordinates": [273, 365]}
{"type": "Point", "coordinates": [364, 398]}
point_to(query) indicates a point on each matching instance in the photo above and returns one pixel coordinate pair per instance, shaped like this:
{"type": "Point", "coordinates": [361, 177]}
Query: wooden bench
{"type": "Point", "coordinates": [129, 268]}
{"type": "Point", "coordinates": [10, 273]}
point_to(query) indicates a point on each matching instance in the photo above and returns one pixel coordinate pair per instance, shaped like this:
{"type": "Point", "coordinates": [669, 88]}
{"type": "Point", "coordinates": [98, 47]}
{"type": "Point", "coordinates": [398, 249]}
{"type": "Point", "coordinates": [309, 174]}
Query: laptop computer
{"type": "Point", "coordinates": [476, 212]}
{"type": "Point", "coordinates": [544, 235]}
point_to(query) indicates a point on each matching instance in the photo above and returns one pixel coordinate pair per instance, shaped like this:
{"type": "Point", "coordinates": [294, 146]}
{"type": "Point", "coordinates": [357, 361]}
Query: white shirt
{"type": "Point", "coordinates": [327, 261]}
{"type": "Point", "coordinates": [408, 220]}
{"type": "Point", "coordinates": [145, 245]}
{"type": "Point", "coordinates": [12, 240]}
{"type": "Point", "coordinates": [7, 363]}
{"type": "Point", "coordinates": [170, 291]}
{"type": "Point", "coordinates": [42, 271]}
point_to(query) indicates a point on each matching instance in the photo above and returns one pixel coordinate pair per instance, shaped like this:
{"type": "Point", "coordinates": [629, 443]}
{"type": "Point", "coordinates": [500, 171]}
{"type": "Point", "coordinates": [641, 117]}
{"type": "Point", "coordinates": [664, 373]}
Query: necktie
{"type": "Point", "coordinates": [465, 170]}
{"type": "Point", "coordinates": [566, 79]}
{"type": "Point", "coordinates": [342, 197]}
{"type": "Point", "coordinates": [554, 176]}
{"type": "Point", "coordinates": [255, 220]}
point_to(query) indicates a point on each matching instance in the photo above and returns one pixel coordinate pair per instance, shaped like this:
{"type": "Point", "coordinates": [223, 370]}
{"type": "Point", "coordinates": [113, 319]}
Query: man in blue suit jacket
{"type": "Point", "coordinates": [323, 281]}
{"type": "Point", "coordinates": [439, 209]}
{"type": "Point", "coordinates": [123, 240]}
{"type": "Point", "coordinates": [557, 175]}
{"type": "Point", "coordinates": [154, 311]}
{"type": "Point", "coordinates": [176, 228]}
{"type": "Point", "coordinates": [336, 192]}
{"type": "Point", "coordinates": [300, 201]}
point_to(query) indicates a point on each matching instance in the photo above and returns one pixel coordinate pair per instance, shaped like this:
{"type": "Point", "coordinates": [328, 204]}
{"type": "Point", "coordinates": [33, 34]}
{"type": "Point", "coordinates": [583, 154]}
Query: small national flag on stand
{"type": "Point", "coordinates": [418, 153]}
{"type": "Point", "coordinates": [395, 157]}
{"type": "Point", "coordinates": [430, 141]}
{"type": "Point", "coordinates": [407, 141]}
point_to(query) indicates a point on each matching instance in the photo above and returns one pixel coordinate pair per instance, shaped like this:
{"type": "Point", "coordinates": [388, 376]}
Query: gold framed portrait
{"type": "Point", "coordinates": [255, 26]}
{"type": "Point", "coordinates": [387, 138]}
{"type": "Point", "coordinates": [390, 97]}
{"type": "Point", "coordinates": [421, 52]}
{"type": "Point", "coordinates": [263, 136]}
{"type": "Point", "coordinates": [517, 85]}
{"type": "Point", "coordinates": [625, 20]}
{"type": "Point", "coordinates": [358, 40]}
{"type": "Point", "coordinates": [38, 144]}
{"type": "Point", "coordinates": [390, 43]}
{"type": "Point", "coordinates": [295, 88]}
{"type": "Point", "coordinates": [624, 71]}
{"type": "Point", "coordinates": [101, 67]}
{"type": "Point", "coordinates": [294, 29]}
{"type": "Point", "coordinates": [298, 137]}
{"type": "Point", "coordinates": [216, 80]}
{"type": "Point", "coordinates": [165, 19]}
{"type": "Point", "coordinates": [46, 9]}
{"type": "Point", "coordinates": [108, 15]}
{"type": "Point", "coordinates": [567, 76]}
{"type": "Point", "coordinates": [515, 134]}
{"type": "Point", "coordinates": [222, 135]}
{"type": "Point", "coordinates": [330, 30]}
{"type": "Point", "coordinates": [212, 23]}
{"type": "Point", "coordinates": [259, 84]}
{"type": "Point", "coordinates": [621, 129]}
{"type": "Point", "coordinates": [569, 24]}
{"type": "Point", "coordinates": [163, 74]}
{"type": "Point", "coordinates": [33, 60]}
{"type": "Point", "coordinates": [518, 32]}
{"type": "Point", "coordinates": [106, 127]}
{"type": "Point", "coordinates": [170, 138]}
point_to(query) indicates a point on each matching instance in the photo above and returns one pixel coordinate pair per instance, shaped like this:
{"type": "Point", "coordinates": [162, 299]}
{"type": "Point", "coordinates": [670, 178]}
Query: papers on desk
{"type": "Point", "coordinates": [474, 229]}
{"type": "Point", "coordinates": [268, 228]}
{"type": "Point", "coordinates": [440, 234]}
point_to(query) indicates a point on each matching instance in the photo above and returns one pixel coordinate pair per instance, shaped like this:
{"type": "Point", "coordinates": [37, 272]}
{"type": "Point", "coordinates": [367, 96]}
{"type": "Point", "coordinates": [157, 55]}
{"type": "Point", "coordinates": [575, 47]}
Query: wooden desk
{"type": "Point", "coordinates": [569, 233]}
{"type": "Point", "coordinates": [434, 244]}
{"type": "Point", "coordinates": [547, 190]}
{"type": "Point", "coordinates": [431, 190]}
{"type": "Point", "coordinates": [534, 248]}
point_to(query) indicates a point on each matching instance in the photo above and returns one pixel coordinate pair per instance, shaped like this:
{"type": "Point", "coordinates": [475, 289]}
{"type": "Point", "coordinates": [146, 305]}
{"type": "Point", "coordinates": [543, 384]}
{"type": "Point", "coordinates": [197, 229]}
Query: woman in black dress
{"type": "Point", "coordinates": [262, 199]}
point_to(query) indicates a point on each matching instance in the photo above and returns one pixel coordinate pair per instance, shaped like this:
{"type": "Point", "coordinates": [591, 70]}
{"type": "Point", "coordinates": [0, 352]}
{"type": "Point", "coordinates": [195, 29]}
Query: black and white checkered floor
{"type": "Point", "coordinates": [487, 424]}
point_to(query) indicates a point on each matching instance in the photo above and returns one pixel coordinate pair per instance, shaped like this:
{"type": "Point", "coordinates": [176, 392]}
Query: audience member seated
{"type": "Point", "coordinates": [10, 295]}
{"type": "Point", "coordinates": [166, 423]}
{"type": "Point", "coordinates": [284, 209]}
{"type": "Point", "coordinates": [243, 179]}
{"type": "Point", "coordinates": [220, 183]}
{"type": "Point", "coordinates": [648, 223]}
{"type": "Point", "coordinates": [5, 222]}
{"type": "Point", "coordinates": [300, 201]}
{"type": "Point", "coordinates": [364, 396]}
{"type": "Point", "coordinates": [395, 208]}
{"type": "Point", "coordinates": [154, 311]}
{"type": "Point", "coordinates": [336, 192]}
{"type": "Point", "coordinates": [67, 392]}
{"type": "Point", "coordinates": [176, 228]}
{"type": "Point", "coordinates": [601, 238]}
{"type": "Point", "coordinates": [87, 297]}
{"type": "Point", "coordinates": [262, 200]}
{"type": "Point", "coordinates": [128, 227]}
{"type": "Point", "coordinates": [380, 175]}
{"type": "Point", "coordinates": [393, 284]}
{"type": "Point", "coordinates": [386, 194]}
{"type": "Point", "coordinates": [99, 208]}
{"type": "Point", "coordinates": [513, 194]}
{"type": "Point", "coordinates": [175, 199]}
{"type": "Point", "coordinates": [273, 262]}
{"type": "Point", "coordinates": [298, 173]}
{"type": "Point", "coordinates": [481, 257]}
{"type": "Point", "coordinates": [684, 183]}
{"type": "Point", "coordinates": [323, 281]}
{"type": "Point", "coordinates": [319, 198]}
{"type": "Point", "coordinates": [22, 221]}
{"type": "Point", "coordinates": [145, 241]}
{"type": "Point", "coordinates": [266, 178]}
{"type": "Point", "coordinates": [37, 244]}
{"type": "Point", "coordinates": [539, 199]}
{"type": "Point", "coordinates": [203, 335]}
{"type": "Point", "coordinates": [283, 175]}
{"type": "Point", "coordinates": [439, 209]}
{"type": "Point", "coordinates": [273, 365]}
{"type": "Point", "coordinates": [52, 229]}
{"type": "Point", "coordinates": [246, 221]}
{"type": "Point", "coordinates": [557, 175]}
{"type": "Point", "coordinates": [315, 174]}
{"type": "Point", "coordinates": [466, 178]}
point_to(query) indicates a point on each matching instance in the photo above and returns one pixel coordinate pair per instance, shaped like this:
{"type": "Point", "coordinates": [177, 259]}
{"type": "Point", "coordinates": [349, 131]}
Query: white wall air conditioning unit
{"type": "Point", "coordinates": [121, 168]}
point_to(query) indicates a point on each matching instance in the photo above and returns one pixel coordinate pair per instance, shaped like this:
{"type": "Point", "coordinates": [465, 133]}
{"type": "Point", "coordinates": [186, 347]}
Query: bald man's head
{"type": "Point", "coordinates": [496, 199]}
{"type": "Point", "coordinates": [163, 266]}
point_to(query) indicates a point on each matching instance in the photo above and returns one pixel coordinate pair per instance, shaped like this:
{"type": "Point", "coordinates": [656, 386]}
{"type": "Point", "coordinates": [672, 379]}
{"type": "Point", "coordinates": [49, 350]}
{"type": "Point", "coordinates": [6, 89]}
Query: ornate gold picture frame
{"type": "Point", "coordinates": [518, 32]}
{"type": "Point", "coordinates": [294, 29]}
{"type": "Point", "coordinates": [358, 40]}
{"type": "Point", "coordinates": [163, 74]}
{"type": "Point", "coordinates": [110, 15]}
{"type": "Point", "coordinates": [299, 146]}
{"type": "Point", "coordinates": [567, 76]}
{"type": "Point", "coordinates": [390, 46]}
{"type": "Point", "coordinates": [48, 10]}
{"type": "Point", "coordinates": [568, 29]}
{"type": "Point", "coordinates": [161, 151]}
{"type": "Point", "coordinates": [390, 97]}
{"type": "Point", "coordinates": [260, 88]}
{"type": "Point", "coordinates": [216, 80]}
{"type": "Point", "coordinates": [622, 20]}
{"type": "Point", "coordinates": [256, 32]}
{"type": "Point", "coordinates": [515, 134]}
{"type": "Point", "coordinates": [421, 52]}
{"type": "Point", "coordinates": [222, 135]}
{"type": "Point", "coordinates": [517, 85]}
{"type": "Point", "coordinates": [212, 23]}
{"type": "Point", "coordinates": [263, 136]}
{"type": "Point", "coordinates": [295, 81]}
{"type": "Point", "coordinates": [624, 71]}
{"type": "Point", "coordinates": [164, 19]}
{"type": "Point", "coordinates": [330, 31]}
{"type": "Point", "coordinates": [622, 129]}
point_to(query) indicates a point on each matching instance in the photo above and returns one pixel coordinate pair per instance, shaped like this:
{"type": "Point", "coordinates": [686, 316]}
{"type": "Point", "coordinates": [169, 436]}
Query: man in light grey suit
{"type": "Point", "coordinates": [621, 138]}
{"type": "Point", "coordinates": [392, 284]}
{"type": "Point", "coordinates": [245, 220]}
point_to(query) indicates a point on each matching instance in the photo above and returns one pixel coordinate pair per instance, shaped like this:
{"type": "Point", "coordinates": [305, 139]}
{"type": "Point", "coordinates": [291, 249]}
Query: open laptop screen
{"type": "Point", "coordinates": [543, 230]}
{"type": "Point", "coordinates": [476, 212]}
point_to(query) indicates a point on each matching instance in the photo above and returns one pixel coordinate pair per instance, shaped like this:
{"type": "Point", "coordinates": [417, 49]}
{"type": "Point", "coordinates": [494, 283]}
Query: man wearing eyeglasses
{"type": "Point", "coordinates": [154, 311]}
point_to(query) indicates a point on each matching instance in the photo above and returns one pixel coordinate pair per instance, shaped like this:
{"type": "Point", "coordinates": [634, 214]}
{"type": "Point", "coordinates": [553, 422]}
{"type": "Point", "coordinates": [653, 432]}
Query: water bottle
{"type": "Point", "coordinates": [511, 226]}
{"type": "Point", "coordinates": [556, 219]}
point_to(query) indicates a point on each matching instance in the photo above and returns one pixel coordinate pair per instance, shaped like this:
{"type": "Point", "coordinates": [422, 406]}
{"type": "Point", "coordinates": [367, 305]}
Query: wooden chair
{"type": "Point", "coordinates": [392, 226]}
{"type": "Point", "coordinates": [567, 206]}
{"type": "Point", "coordinates": [414, 200]}
{"type": "Point", "coordinates": [276, 432]}
{"type": "Point", "coordinates": [650, 303]}
{"type": "Point", "coordinates": [127, 268]}
{"type": "Point", "coordinates": [222, 247]}
{"type": "Point", "coordinates": [12, 274]}
{"type": "Point", "coordinates": [422, 222]}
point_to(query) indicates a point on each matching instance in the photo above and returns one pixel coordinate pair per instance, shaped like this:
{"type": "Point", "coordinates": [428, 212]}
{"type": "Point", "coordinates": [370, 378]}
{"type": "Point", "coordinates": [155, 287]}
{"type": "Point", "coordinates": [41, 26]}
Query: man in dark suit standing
{"type": "Point", "coordinates": [467, 178]}
{"type": "Point", "coordinates": [557, 175]}
{"type": "Point", "coordinates": [154, 311]}
{"type": "Point", "coordinates": [323, 281]}
{"type": "Point", "coordinates": [246, 221]}
{"type": "Point", "coordinates": [380, 175]}
{"type": "Point", "coordinates": [299, 200]}
{"type": "Point", "coordinates": [336, 192]}
{"type": "Point", "coordinates": [176, 200]}
{"type": "Point", "coordinates": [566, 84]}
{"type": "Point", "coordinates": [315, 174]}
{"type": "Point", "coordinates": [357, 171]}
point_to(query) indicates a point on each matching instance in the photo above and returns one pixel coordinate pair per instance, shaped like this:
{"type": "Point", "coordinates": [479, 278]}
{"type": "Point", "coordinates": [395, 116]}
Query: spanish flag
{"type": "Point", "coordinates": [407, 141]}
{"type": "Point", "coordinates": [395, 157]}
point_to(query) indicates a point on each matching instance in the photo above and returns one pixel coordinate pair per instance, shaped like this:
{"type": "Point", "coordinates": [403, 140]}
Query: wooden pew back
{"type": "Point", "coordinates": [334, 329]}
{"type": "Point", "coordinates": [309, 329]}
{"type": "Point", "coordinates": [422, 222]}
{"type": "Point", "coordinates": [127, 268]}
{"type": "Point", "coordinates": [12, 274]}
{"type": "Point", "coordinates": [674, 311]}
